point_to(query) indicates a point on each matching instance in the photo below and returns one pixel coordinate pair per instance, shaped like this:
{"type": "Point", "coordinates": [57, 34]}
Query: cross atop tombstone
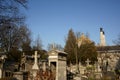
{"type": "Point", "coordinates": [35, 57]}
{"type": "Point", "coordinates": [35, 66]}
{"type": "Point", "coordinates": [88, 62]}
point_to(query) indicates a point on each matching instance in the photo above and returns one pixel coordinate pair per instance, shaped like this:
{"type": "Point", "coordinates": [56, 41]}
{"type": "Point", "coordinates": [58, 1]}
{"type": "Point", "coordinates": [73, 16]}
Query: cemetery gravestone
{"type": "Point", "coordinates": [88, 62]}
{"type": "Point", "coordinates": [35, 67]}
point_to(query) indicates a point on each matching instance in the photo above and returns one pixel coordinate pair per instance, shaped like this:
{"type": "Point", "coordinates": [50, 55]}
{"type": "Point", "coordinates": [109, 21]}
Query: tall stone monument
{"type": "Point", "coordinates": [35, 67]}
{"type": "Point", "coordinates": [23, 63]}
{"type": "Point", "coordinates": [57, 62]}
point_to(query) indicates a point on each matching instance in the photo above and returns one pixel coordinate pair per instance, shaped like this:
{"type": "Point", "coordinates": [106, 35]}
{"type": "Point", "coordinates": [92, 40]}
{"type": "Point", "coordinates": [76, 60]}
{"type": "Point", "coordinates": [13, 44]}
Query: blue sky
{"type": "Point", "coordinates": [52, 19]}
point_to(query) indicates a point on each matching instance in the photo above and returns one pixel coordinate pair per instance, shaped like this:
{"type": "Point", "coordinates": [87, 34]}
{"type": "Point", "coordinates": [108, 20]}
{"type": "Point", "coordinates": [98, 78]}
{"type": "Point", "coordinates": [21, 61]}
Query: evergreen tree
{"type": "Point", "coordinates": [70, 47]}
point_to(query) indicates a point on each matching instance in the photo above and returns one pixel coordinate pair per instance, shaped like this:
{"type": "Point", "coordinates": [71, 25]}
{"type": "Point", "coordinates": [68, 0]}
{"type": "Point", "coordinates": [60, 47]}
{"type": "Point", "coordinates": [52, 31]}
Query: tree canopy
{"type": "Point", "coordinates": [14, 34]}
{"type": "Point", "coordinates": [80, 48]}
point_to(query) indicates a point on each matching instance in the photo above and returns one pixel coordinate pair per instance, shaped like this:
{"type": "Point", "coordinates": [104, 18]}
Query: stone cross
{"type": "Point", "coordinates": [35, 57]}
{"type": "Point", "coordinates": [35, 66]}
{"type": "Point", "coordinates": [88, 61]}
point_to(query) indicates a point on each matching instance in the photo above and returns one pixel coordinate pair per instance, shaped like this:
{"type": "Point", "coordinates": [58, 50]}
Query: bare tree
{"type": "Point", "coordinates": [14, 37]}
{"type": "Point", "coordinates": [117, 41]}
{"type": "Point", "coordinates": [11, 21]}
{"type": "Point", "coordinates": [25, 38]}
{"type": "Point", "coordinates": [37, 43]}
{"type": "Point", "coordinates": [10, 11]}
{"type": "Point", "coordinates": [55, 46]}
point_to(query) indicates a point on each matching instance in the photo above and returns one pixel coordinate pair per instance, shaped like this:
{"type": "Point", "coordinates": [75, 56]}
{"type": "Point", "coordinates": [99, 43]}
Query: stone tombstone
{"type": "Point", "coordinates": [35, 67]}
{"type": "Point", "coordinates": [20, 75]}
{"type": "Point", "coordinates": [23, 62]}
{"type": "Point", "coordinates": [44, 66]}
{"type": "Point", "coordinates": [97, 67]}
{"type": "Point", "coordinates": [2, 61]}
{"type": "Point", "coordinates": [82, 68]}
{"type": "Point", "coordinates": [99, 60]}
{"type": "Point", "coordinates": [0, 73]}
{"type": "Point", "coordinates": [87, 62]}
{"type": "Point", "coordinates": [57, 63]}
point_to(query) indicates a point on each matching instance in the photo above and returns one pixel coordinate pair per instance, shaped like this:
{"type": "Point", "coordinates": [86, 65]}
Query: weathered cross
{"type": "Point", "coordinates": [35, 57]}
{"type": "Point", "coordinates": [35, 66]}
{"type": "Point", "coordinates": [88, 61]}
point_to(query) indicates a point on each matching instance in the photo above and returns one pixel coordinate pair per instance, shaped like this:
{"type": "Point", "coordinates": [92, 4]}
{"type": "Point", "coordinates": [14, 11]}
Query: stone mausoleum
{"type": "Point", "coordinates": [57, 63]}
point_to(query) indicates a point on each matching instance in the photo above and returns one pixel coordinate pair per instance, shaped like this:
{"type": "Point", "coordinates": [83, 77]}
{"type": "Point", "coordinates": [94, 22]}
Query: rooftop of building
{"type": "Point", "coordinates": [108, 48]}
